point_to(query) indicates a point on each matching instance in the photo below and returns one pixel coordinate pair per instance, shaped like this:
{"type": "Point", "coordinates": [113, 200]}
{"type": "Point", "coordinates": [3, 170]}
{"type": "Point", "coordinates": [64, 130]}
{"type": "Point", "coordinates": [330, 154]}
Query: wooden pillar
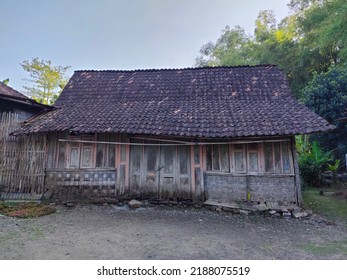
{"type": "Point", "coordinates": [192, 172]}
{"type": "Point", "coordinates": [297, 182]}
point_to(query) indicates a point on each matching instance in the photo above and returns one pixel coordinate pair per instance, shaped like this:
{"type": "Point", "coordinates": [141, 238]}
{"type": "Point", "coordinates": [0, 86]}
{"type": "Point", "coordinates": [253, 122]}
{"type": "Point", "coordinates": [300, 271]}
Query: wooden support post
{"type": "Point", "coordinates": [297, 173]}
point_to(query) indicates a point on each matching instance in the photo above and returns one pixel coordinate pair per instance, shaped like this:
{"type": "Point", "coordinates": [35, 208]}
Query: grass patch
{"type": "Point", "coordinates": [25, 210]}
{"type": "Point", "coordinates": [330, 206]}
{"type": "Point", "coordinates": [337, 247]}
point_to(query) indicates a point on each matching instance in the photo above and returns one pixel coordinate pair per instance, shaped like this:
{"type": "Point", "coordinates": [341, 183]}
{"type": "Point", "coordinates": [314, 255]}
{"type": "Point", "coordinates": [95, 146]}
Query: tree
{"type": "Point", "coordinates": [323, 29]}
{"type": "Point", "coordinates": [232, 48]}
{"type": "Point", "coordinates": [48, 80]}
{"type": "Point", "coordinates": [326, 95]}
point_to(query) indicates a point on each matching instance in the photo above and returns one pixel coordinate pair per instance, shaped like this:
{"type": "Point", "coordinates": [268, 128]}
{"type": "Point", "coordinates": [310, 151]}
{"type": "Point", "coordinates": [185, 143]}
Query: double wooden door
{"type": "Point", "coordinates": [160, 171]}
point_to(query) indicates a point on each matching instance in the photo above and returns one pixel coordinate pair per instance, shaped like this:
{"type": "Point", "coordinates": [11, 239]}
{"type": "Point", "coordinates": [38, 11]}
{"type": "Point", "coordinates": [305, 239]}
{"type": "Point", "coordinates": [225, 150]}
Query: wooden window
{"type": "Point", "coordinates": [86, 157]}
{"type": "Point", "coordinates": [217, 158]}
{"type": "Point", "coordinates": [268, 155]}
{"type": "Point", "coordinates": [151, 152]}
{"type": "Point", "coordinates": [105, 153]}
{"type": "Point", "coordinates": [239, 158]}
{"type": "Point", "coordinates": [100, 151]}
{"type": "Point", "coordinates": [253, 158]}
{"type": "Point", "coordinates": [286, 157]}
{"type": "Point", "coordinates": [277, 157]}
{"type": "Point", "coordinates": [183, 153]}
{"type": "Point", "coordinates": [196, 154]}
{"type": "Point", "coordinates": [168, 153]}
{"type": "Point", "coordinates": [74, 156]}
{"type": "Point", "coordinates": [111, 152]}
{"type": "Point", "coordinates": [253, 162]}
{"type": "Point", "coordinates": [61, 155]}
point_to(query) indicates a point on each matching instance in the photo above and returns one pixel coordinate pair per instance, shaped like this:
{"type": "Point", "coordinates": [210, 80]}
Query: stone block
{"type": "Point", "coordinates": [299, 214]}
{"type": "Point", "coordinates": [286, 215]}
{"type": "Point", "coordinates": [244, 212]}
{"type": "Point", "coordinates": [133, 204]}
{"type": "Point", "coordinates": [262, 207]}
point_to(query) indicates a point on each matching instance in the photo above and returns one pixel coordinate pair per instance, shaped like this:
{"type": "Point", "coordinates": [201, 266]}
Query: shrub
{"type": "Point", "coordinates": [313, 162]}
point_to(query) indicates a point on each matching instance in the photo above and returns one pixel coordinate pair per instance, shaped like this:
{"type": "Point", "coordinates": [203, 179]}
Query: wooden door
{"type": "Point", "coordinates": [167, 171]}
{"type": "Point", "coordinates": [160, 171]}
{"type": "Point", "coordinates": [174, 172]}
{"type": "Point", "coordinates": [151, 176]}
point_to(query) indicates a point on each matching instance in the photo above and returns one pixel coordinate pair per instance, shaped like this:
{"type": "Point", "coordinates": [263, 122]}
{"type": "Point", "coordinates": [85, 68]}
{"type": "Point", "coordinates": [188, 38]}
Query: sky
{"type": "Point", "coordinates": [117, 34]}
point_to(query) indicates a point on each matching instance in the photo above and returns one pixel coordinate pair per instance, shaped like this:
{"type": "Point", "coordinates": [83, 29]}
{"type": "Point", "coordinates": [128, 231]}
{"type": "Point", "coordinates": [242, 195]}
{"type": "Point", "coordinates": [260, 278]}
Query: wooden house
{"type": "Point", "coordinates": [224, 134]}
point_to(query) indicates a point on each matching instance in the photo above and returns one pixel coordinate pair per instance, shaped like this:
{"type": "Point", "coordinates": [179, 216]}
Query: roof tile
{"type": "Point", "coordinates": [211, 102]}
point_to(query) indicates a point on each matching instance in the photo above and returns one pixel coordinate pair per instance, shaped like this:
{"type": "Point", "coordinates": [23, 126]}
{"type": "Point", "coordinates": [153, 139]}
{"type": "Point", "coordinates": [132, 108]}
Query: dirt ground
{"type": "Point", "coordinates": [110, 232]}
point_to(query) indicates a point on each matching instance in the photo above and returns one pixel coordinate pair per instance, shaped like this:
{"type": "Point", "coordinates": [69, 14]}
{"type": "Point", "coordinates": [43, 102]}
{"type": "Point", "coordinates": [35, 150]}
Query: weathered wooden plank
{"type": "Point", "coordinates": [277, 157]}
{"type": "Point", "coordinates": [198, 183]}
{"type": "Point", "coordinates": [286, 157]}
{"type": "Point", "coordinates": [52, 144]}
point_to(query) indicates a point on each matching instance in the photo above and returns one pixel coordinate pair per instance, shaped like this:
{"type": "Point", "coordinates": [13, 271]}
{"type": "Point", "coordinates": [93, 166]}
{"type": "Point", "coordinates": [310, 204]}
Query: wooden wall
{"type": "Point", "coordinates": [172, 168]}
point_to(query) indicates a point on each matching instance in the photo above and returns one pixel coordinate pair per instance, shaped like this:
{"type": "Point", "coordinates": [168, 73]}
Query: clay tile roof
{"type": "Point", "coordinates": [209, 102]}
{"type": "Point", "coordinates": [6, 90]}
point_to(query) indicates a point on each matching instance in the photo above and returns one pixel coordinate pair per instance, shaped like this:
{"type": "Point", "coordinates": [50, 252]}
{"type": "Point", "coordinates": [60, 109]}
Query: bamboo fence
{"type": "Point", "coordinates": [22, 159]}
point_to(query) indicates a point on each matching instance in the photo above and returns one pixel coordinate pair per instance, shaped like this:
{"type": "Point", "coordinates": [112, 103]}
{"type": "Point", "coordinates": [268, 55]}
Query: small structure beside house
{"type": "Point", "coordinates": [16, 103]}
{"type": "Point", "coordinates": [224, 134]}
{"type": "Point", "coordinates": [15, 152]}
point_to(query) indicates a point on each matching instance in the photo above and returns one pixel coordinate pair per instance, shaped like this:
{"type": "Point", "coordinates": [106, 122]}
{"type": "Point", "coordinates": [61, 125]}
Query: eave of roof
{"type": "Point", "coordinates": [24, 100]}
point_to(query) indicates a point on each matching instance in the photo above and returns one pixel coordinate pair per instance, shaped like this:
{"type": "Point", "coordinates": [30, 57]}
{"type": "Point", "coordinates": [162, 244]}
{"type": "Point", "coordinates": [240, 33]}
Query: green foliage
{"type": "Point", "coordinates": [326, 95]}
{"type": "Point", "coordinates": [322, 27]}
{"type": "Point", "coordinates": [232, 48]}
{"type": "Point", "coordinates": [335, 166]}
{"type": "Point", "coordinates": [313, 161]}
{"type": "Point", "coordinates": [48, 80]}
{"type": "Point", "coordinates": [6, 81]}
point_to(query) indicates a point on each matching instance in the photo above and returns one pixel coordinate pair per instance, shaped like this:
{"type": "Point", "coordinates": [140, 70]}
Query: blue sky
{"type": "Point", "coordinates": [117, 34]}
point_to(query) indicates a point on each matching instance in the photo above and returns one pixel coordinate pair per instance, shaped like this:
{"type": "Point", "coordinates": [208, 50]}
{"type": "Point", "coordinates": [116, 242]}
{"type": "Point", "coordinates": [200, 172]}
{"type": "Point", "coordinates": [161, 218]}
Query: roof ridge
{"type": "Point", "coordinates": [177, 69]}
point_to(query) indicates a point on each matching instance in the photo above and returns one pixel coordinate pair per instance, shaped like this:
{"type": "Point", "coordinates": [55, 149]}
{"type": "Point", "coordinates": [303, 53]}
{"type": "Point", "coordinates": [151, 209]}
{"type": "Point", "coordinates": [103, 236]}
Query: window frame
{"type": "Point", "coordinates": [219, 158]}
{"type": "Point", "coordinates": [281, 154]}
{"type": "Point", "coordinates": [250, 151]}
{"type": "Point", "coordinates": [244, 161]}
{"type": "Point", "coordinates": [280, 149]}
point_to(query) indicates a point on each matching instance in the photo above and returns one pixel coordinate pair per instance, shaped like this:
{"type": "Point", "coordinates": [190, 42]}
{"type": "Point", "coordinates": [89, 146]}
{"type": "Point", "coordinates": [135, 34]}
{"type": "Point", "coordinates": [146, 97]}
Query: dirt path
{"type": "Point", "coordinates": [107, 232]}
